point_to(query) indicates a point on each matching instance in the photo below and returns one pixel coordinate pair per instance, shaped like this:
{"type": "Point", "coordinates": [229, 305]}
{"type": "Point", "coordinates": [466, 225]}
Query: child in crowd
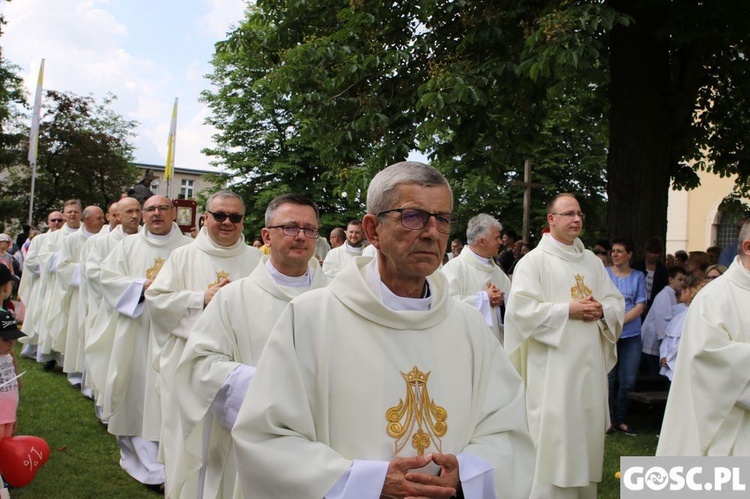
{"type": "Point", "coordinates": [671, 343]}
{"type": "Point", "coordinates": [9, 333]}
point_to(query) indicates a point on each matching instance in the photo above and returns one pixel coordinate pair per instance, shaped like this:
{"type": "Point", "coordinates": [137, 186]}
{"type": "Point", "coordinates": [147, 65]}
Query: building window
{"type": "Point", "coordinates": [186, 189]}
{"type": "Point", "coordinates": [726, 233]}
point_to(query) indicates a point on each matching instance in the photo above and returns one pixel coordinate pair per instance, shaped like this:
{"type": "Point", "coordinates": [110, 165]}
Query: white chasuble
{"type": "Point", "coordinates": [101, 318]}
{"type": "Point", "coordinates": [708, 409]}
{"type": "Point", "coordinates": [338, 258]}
{"type": "Point", "coordinates": [468, 279]}
{"type": "Point", "coordinates": [175, 302]}
{"type": "Point", "coordinates": [69, 338]}
{"type": "Point", "coordinates": [31, 288]}
{"type": "Point", "coordinates": [564, 362]}
{"type": "Point", "coordinates": [231, 333]}
{"type": "Point", "coordinates": [345, 380]}
{"type": "Point", "coordinates": [130, 400]}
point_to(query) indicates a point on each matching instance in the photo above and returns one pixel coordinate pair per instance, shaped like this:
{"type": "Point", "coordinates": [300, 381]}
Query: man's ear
{"type": "Point", "coordinates": [265, 235]}
{"type": "Point", "coordinates": [370, 224]}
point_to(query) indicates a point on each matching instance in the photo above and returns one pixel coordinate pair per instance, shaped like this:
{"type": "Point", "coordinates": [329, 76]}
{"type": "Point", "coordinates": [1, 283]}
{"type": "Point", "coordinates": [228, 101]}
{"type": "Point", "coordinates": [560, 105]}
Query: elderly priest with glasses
{"type": "Point", "coordinates": [381, 384]}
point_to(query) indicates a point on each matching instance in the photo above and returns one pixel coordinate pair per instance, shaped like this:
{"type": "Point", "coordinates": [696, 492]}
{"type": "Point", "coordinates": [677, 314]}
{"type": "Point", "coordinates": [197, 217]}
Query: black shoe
{"type": "Point", "coordinates": [610, 430]}
{"type": "Point", "coordinates": [156, 487]}
{"type": "Point", "coordinates": [49, 365]}
{"type": "Point", "coordinates": [77, 386]}
{"type": "Point", "coordinates": [627, 430]}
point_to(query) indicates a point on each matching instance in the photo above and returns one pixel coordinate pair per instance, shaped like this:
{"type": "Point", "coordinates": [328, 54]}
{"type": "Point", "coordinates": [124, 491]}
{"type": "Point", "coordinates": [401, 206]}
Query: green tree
{"type": "Point", "coordinates": [357, 86]}
{"type": "Point", "coordinates": [84, 152]}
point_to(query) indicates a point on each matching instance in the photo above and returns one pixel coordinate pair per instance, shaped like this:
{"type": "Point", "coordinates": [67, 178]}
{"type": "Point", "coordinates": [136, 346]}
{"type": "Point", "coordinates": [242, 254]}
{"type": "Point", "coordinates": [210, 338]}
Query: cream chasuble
{"type": "Point", "coordinates": [340, 257]}
{"type": "Point", "coordinates": [564, 362]}
{"type": "Point", "coordinates": [708, 409]}
{"type": "Point", "coordinates": [69, 339]}
{"type": "Point", "coordinates": [52, 313]}
{"type": "Point", "coordinates": [130, 400]}
{"type": "Point", "coordinates": [468, 278]}
{"type": "Point", "coordinates": [232, 331]}
{"type": "Point", "coordinates": [101, 318]}
{"type": "Point", "coordinates": [175, 302]}
{"type": "Point", "coordinates": [343, 379]}
{"type": "Point", "coordinates": [32, 287]}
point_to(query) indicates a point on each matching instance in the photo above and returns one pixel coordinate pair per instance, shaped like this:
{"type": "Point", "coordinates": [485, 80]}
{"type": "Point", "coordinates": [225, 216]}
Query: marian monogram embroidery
{"type": "Point", "coordinates": [580, 290]}
{"type": "Point", "coordinates": [220, 276]}
{"type": "Point", "coordinates": [417, 417]}
{"type": "Point", "coordinates": [152, 272]}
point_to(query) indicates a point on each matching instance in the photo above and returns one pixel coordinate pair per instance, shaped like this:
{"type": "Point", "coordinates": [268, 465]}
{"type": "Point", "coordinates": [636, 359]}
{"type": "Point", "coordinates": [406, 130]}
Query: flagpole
{"type": "Point", "coordinates": [34, 138]}
{"type": "Point", "coordinates": [171, 143]}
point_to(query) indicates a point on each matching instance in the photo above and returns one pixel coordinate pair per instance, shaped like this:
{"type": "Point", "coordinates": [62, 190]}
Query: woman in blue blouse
{"type": "Point", "coordinates": [632, 284]}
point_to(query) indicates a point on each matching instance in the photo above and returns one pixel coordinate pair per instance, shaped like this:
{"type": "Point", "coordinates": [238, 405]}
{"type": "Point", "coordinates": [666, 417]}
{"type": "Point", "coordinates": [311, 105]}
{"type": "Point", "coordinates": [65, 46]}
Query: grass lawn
{"type": "Point", "coordinates": [84, 460]}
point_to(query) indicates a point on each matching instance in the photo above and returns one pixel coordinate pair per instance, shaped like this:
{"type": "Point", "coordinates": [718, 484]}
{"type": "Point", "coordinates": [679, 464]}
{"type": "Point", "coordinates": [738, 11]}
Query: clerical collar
{"type": "Point", "coordinates": [303, 281]}
{"type": "Point", "coordinates": [159, 237]}
{"type": "Point", "coordinates": [570, 248]}
{"type": "Point", "coordinates": [400, 303]}
{"type": "Point", "coordinates": [482, 259]}
{"type": "Point", "coordinates": [69, 230]}
{"type": "Point", "coordinates": [355, 249]}
{"type": "Point", "coordinates": [86, 233]}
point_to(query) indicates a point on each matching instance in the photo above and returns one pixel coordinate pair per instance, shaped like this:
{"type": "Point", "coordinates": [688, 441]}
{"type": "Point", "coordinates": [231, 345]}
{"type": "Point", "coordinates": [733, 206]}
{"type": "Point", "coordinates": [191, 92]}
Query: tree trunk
{"type": "Point", "coordinates": [639, 161]}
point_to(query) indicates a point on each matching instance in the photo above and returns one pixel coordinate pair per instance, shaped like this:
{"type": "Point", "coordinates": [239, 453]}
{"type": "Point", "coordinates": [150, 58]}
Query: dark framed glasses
{"type": "Point", "coordinates": [220, 216]}
{"type": "Point", "coordinates": [56, 220]}
{"type": "Point", "coordinates": [416, 219]}
{"type": "Point", "coordinates": [293, 230]}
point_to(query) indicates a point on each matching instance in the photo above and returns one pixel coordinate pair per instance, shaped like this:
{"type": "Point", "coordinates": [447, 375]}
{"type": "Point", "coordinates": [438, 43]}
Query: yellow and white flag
{"type": "Point", "coordinates": [169, 167]}
{"type": "Point", "coordinates": [36, 117]}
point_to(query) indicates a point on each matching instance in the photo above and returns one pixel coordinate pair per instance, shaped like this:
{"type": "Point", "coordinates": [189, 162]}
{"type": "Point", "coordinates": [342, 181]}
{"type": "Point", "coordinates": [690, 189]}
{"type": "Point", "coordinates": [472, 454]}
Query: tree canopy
{"type": "Point", "coordinates": [611, 100]}
{"type": "Point", "coordinates": [84, 152]}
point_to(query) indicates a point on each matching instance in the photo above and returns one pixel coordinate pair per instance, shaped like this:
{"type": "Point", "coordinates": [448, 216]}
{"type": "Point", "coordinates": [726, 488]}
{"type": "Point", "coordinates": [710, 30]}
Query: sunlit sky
{"type": "Point", "coordinates": [146, 53]}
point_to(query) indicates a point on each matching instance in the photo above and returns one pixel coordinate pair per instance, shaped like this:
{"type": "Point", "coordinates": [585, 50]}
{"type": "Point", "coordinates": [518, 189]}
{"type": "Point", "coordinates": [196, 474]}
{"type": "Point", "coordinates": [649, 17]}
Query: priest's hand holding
{"type": "Point", "coordinates": [147, 284]}
{"type": "Point", "coordinates": [496, 296]}
{"type": "Point", "coordinates": [400, 482]}
{"type": "Point", "coordinates": [210, 292]}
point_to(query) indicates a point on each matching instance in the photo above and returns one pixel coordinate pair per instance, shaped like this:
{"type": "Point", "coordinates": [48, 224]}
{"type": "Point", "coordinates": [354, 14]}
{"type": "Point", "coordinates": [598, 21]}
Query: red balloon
{"type": "Point", "coordinates": [21, 457]}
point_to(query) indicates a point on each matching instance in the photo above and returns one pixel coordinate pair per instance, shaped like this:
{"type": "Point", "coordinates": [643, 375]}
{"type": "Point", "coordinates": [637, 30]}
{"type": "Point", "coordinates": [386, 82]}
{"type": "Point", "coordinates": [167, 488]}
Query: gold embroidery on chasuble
{"type": "Point", "coordinates": [220, 276]}
{"type": "Point", "coordinates": [416, 418]}
{"type": "Point", "coordinates": [580, 290]}
{"type": "Point", "coordinates": [152, 272]}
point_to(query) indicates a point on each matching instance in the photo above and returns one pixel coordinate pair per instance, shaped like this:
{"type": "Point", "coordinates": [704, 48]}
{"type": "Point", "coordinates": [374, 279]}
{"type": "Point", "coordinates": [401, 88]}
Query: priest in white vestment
{"type": "Point", "coordinates": [55, 317]}
{"type": "Point", "coordinates": [31, 287]}
{"type": "Point", "coordinates": [340, 257]}
{"type": "Point", "coordinates": [130, 401]}
{"type": "Point", "coordinates": [475, 278]}
{"type": "Point", "coordinates": [186, 284]}
{"type": "Point", "coordinates": [708, 409]}
{"type": "Point", "coordinates": [101, 318]}
{"type": "Point", "coordinates": [70, 339]}
{"type": "Point", "coordinates": [562, 321]}
{"type": "Point", "coordinates": [228, 339]}
{"type": "Point", "coordinates": [381, 384]}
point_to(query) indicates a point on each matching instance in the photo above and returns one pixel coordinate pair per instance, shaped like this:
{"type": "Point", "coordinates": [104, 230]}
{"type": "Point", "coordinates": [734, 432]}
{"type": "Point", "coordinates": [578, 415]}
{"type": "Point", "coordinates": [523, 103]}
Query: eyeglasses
{"type": "Point", "coordinates": [220, 216]}
{"type": "Point", "coordinates": [56, 220]}
{"type": "Point", "coordinates": [601, 252]}
{"type": "Point", "coordinates": [571, 214]}
{"type": "Point", "coordinates": [293, 230]}
{"type": "Point", "coordinates": [416, 219]}
{"type": "Point", "coordinates": [161, 207]}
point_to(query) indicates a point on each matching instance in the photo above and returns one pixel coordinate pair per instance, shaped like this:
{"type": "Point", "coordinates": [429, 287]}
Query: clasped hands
{"type": "Point", "coordinates": [586, 309]}
{"type": "Point", "coordinates": [402, 483]}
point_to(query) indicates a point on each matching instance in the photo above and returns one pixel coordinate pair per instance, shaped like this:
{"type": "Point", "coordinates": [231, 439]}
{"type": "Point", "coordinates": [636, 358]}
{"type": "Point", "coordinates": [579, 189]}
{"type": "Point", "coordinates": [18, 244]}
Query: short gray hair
{"type": "Point", "coordinates": [224, 195]}
{"type": "Point", "coordinates": [383, 189]}
{"type": "Point", "coordinates": [744, 235]}
{"type": "Point", "coordinates": [479, 225]}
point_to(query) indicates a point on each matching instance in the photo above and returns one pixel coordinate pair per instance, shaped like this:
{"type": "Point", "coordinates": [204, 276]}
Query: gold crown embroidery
{"type": "Point", "coordinates": [580, 290]}
{"type": "Point", "coordinates": [417, 418]}
{"type": "Point", "coordinates": [152, 272]}
{"type": "Point", "coordinates": [220, 276]}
